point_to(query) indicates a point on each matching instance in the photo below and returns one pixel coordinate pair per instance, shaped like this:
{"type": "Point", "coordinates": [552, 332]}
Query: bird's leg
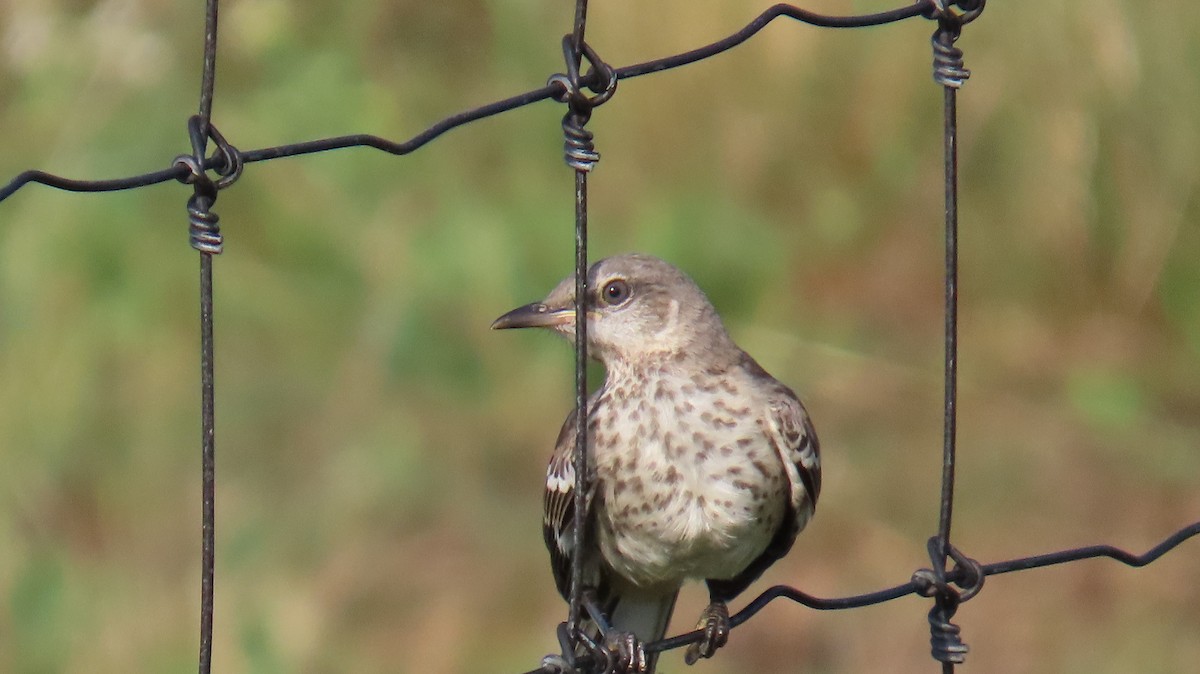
{"type": "Point", "coordinates": [715, 623]}
{"type": "Point", "coordinates": [624, 650]}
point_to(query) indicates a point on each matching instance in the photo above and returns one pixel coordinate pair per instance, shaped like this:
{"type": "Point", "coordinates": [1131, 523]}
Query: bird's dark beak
{"type": "Point", "coordinates": [536, 315]}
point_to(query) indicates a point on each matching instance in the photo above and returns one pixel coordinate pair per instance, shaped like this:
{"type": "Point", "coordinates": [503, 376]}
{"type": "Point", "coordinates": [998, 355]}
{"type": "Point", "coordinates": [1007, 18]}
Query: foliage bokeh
{"type": "Point", "coordinates": [380, 451]}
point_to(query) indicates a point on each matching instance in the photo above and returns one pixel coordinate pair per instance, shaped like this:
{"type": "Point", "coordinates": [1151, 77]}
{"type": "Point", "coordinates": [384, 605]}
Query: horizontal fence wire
{"type": "Point", "coordinates": [228, 163]}
{"type": "Point", "coordinates": [918, 586]}
{"type": "Point", "coordinates": [547, 92]}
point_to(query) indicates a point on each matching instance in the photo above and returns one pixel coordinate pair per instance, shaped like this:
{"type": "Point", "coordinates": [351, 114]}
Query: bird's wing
{"type": "Point", "coordinates": [787, 426]}
{"type": "Point", "coordinates": [792, 434]}
{"type": "Point", "coordinates": [558, 507]}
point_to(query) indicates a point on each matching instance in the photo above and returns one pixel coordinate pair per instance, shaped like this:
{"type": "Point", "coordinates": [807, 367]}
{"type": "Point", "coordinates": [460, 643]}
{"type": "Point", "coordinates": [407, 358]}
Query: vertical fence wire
{"type": "Point", "coordinates": [949, 72]}
{"type": "Point", "coordinates": [581, 395]}
{"type": "Point", "coordinates": [208, 464]}
{"type": "Point", "coordinates": [581, 350]}
{"type": "Point", "coordinates": [950, 385]}
{"type": "Point", "coordinates": [950, 418]}
{"type": "Point", "coordinates": [209, 65]}
{"type": "Point", "coordinates": [207, 393]}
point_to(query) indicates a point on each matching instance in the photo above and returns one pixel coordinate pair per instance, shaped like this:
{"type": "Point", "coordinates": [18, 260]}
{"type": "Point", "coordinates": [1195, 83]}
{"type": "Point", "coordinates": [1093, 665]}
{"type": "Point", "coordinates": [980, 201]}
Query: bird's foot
{"type": "Point", "coordinates": [626, 653]}
{"type": "Point", "coordinates": [715, 623]}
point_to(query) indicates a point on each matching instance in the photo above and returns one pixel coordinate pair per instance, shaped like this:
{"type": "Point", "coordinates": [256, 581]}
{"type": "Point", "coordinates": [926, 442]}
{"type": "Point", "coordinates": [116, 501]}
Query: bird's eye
{"type": "Point", "coordinates": [616, 292]}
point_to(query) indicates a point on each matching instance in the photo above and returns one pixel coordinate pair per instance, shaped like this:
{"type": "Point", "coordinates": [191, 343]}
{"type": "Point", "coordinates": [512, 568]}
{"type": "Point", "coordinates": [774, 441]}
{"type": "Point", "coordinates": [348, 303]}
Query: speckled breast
{"type": "Point", "coordinates": [690, 485]}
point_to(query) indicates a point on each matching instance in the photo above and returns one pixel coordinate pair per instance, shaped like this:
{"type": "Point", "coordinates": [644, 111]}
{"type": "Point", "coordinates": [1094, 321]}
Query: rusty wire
{"type": "Point", "coordinates": [948, 586]}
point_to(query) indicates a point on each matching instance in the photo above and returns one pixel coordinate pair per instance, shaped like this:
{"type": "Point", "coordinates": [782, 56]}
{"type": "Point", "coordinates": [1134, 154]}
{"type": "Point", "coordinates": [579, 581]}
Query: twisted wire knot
{"type": "Point", "coordinates": [945, 643]}
{"type": "Point", "coordinates": [944, 636]}
{"type": "Point", "coordinates": [568, 662]}
{"type": "Point", "coordinates": [601, 78]}
{"type": "Point", "coordinates": [960, 12]}
{"type": "Point", "coordinates": [203, 231]}
{"type": "Point", "coordinates": [584, 653]}
{"type": "Point", "coordinates": [951, 15]}
{"type": "Point", "coordinates": [578, 148]}
{"type": "Point", "coordinates": [948, 67]}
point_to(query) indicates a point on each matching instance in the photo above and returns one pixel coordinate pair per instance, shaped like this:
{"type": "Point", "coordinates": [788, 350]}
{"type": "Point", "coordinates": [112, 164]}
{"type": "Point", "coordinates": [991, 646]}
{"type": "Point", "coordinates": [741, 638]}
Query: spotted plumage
{"type": "Point", "coordinates": [704, 466]}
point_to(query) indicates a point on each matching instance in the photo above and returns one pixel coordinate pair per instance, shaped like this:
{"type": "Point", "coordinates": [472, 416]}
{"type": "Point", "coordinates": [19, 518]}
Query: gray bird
{"type": "Point", "coordinates": [705, 466]}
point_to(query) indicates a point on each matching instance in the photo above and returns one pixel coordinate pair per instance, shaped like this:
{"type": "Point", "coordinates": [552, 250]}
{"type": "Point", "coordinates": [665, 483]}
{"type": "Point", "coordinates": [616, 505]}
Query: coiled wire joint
{"type": "Point", "coordinates": [204, 232]}
{"type": "Point", "coordinates": [579, 150]}
{"type": "Point", "coordinates": [944, 636]}
{"type": "Point", "coordinates": [948, 67]}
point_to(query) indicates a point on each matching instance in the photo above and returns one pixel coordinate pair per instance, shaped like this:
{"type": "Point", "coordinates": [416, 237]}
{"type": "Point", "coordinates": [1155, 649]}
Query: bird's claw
{"type": "Point", "coordinates": [627, 655]}
{"type": "Point", "coordinates": [715, 623]}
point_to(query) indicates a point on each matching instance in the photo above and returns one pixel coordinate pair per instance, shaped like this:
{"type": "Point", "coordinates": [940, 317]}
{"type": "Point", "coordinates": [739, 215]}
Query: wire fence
{"type": "Point", "coordinates": [587, 83]}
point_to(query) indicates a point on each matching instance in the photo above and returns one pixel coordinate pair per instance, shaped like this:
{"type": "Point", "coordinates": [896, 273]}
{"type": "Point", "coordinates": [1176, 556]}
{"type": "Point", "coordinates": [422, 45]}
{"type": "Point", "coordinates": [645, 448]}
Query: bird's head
{"type": "Point", "coordinates": [638, 306]}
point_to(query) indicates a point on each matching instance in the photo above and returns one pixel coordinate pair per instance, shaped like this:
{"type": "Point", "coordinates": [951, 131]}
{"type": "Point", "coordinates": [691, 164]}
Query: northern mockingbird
{"type": "Point", "coordinates": [704, 466]}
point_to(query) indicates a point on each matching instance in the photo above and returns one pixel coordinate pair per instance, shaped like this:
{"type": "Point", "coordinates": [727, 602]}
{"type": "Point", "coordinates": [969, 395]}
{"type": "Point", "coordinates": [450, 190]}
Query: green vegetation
{"type": "Point", "coordinates": [380, 451]}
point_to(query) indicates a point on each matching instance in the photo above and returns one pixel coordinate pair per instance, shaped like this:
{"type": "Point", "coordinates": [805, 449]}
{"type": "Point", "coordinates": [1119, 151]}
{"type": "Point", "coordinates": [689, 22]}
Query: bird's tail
{"type": "Point", "coordinates": [645, 614]}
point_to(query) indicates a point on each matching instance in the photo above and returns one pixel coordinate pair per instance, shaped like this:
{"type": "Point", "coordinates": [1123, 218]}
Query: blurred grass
{"type": "Point", "coordinates": [380, 451]}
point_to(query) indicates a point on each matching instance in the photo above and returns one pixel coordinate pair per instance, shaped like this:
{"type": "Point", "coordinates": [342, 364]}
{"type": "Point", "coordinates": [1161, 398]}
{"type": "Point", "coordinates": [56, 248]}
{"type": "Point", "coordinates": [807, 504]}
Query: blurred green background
{"type": "Point", "coordinates": [381, 452]}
